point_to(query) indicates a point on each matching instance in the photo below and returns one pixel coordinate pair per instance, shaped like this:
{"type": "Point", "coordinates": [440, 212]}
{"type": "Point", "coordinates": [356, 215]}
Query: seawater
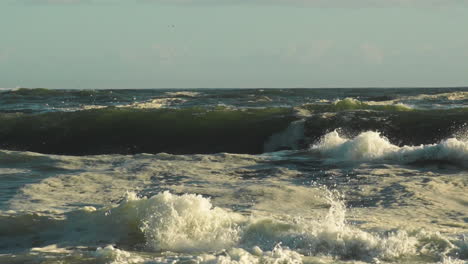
{"type": "Point", "coordinates": [234, 176]}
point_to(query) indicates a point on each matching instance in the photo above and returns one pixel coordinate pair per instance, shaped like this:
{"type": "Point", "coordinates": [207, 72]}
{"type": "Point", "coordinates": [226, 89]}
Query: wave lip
{"type": "Point", "coordinates": [372, 146]}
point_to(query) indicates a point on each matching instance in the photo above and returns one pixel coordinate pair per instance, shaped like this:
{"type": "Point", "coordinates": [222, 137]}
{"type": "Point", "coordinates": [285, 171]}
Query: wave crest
{"type": "Point", "coordinates": [371, 145]}
{"type": "Point", "coordinates": [354, 104]}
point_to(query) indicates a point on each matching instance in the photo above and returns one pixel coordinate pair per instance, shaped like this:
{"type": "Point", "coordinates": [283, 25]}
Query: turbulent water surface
{"type": "Point", "coordinates": [234, 176]}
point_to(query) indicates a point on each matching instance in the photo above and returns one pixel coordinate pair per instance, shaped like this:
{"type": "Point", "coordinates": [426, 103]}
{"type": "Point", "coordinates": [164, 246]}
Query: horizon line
{"type": "Point", "coordinates": [246, 88]}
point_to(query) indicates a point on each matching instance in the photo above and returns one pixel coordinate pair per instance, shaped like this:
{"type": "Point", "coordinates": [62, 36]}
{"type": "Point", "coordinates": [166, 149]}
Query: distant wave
{"type": "Point", "coordinates": [183, 94]}
{"type": "Point", "coordinates": [156, 103]}
{"type": "Point", "coordinates": [31, 92]}
{"type": "Point", "coordinates": [452, 96]}
{"type": "Point", "coordinates": [424, 101]}
{"type": "Point", "coordinates": [353, 104]}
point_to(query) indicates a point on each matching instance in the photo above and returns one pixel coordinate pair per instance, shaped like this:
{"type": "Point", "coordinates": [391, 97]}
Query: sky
{"type": "Point", "coordinates": [233, 43]}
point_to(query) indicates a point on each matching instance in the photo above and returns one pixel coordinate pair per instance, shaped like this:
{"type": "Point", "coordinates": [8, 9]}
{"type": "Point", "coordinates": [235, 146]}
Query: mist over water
{"type": "Point", "coordinates": [234, 176]}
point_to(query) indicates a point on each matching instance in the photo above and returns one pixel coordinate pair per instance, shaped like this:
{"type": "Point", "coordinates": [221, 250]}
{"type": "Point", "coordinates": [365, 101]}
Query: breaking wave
{"type": "Point", "coordinates": [161, 125]}
{"type": "Point", "coordinates": [130, 130]}
{"type": "Point", "coordinates": [190, 223]}
{"type": "Point", "coordinates": [370, 145]}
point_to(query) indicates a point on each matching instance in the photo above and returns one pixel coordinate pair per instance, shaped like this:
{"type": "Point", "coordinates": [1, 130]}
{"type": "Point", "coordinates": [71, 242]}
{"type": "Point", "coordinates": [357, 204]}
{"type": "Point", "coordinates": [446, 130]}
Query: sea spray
{"type": "Point", "coordinates": [372, 146]}
{"type": "Point", "coordinates": [366, 146]}
{"type": "Point", "coordinates": [187, 223]}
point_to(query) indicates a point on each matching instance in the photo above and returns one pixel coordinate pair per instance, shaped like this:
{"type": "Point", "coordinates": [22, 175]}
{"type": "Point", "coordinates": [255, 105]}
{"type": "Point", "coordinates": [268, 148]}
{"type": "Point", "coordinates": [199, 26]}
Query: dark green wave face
{"type": "Point", "coordinates": [127, 130]}
{"type": "Point", "coordinates": [199, 130]}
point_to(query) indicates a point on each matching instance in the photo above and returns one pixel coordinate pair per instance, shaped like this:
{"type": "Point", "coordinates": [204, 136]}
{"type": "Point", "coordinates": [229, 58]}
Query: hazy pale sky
{"type": "Point", "coordinates": [233, 43]}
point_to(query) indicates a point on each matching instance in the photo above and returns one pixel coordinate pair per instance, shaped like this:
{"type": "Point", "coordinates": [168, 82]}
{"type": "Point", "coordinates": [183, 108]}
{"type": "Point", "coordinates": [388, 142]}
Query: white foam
{"type": "Point", "coordinates": [354, 103]}
{"type": "Point", "coordinates": [156, 103]}
{"type": "Point", "coordinates": [450, 260]}
{"type": "Point", "coordinates": [420, 101]}
{"type": "Point", "coordinates": [51, 249]}
{"type": "Point", "coordinates": [460, 95]}
{"type": "Point", "coordinates": [112, 255]}
{"type": "Point", "coordinates": [370, 145]}
{"type": "Point", "coordinates": [278, 255]}
{"type": "Point", "coordinates": [183, 93]}
{"type": "Point", "coordinates": [87, 107]}
{"type": "Point", "coordinates": [190, 224]}
{"type": "Point", "coordinates": [329, 236]}
{"type": "Point", "coordinates": [366, 146]}
{"type": "Point", "coordinates": [186, 223]}
{"type": "Point", "coordinates": [164, 222]}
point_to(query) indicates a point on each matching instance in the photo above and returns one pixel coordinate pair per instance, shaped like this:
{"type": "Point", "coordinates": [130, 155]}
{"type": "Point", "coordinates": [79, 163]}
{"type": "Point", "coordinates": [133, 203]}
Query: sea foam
{"type": "Point", "coordinates": [372, 146]}
{"type": "Point", "coordinates": [186, 223]}
{"type": "Point", "coordinates": [190, 224]}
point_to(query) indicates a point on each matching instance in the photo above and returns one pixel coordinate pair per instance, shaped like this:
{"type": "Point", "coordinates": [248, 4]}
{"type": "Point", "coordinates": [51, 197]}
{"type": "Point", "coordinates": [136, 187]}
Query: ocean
{"type": "Point", "coordinates": [234, 176]}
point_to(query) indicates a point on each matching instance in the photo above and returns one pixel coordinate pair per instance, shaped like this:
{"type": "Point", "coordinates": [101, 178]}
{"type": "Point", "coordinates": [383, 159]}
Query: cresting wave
{"type": "Point", "coordinates": [130, 130]}
{"type": "Point", "coordinates": [189, 224]}
{"type": "Point", "coordinates": [401, 126]}
{"type": "Point", "coordinates": [372, 146]}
